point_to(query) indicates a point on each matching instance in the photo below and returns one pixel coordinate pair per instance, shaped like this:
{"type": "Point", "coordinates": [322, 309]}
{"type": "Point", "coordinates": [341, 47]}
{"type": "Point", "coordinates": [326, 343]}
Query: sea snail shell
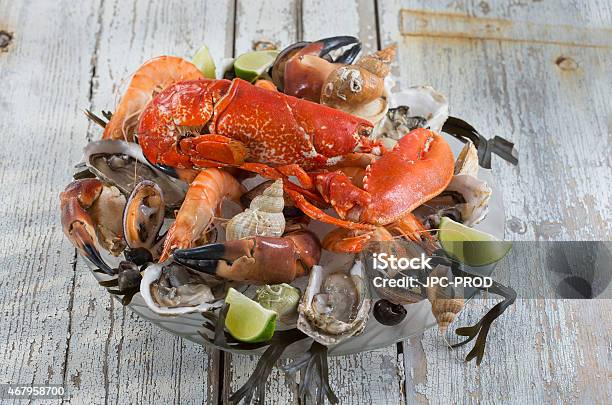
{"type": "Point", "coordinates": [263, 218]}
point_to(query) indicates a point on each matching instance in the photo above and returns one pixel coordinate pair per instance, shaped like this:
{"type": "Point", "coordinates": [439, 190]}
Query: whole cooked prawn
{"type": "Point", "coordinates": [149, 80]}
{"type": "Point", "coordinates": [205, 195]}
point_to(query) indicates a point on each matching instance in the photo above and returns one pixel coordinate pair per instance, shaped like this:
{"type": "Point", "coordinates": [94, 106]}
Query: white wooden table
{"type": "Point", "coordinates": [545, 87]}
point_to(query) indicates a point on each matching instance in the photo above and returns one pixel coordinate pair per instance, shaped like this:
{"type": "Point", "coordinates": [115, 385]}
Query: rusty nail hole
{"type": "Point", "coordinates": [5, 39]}
{"type": "Point", "coordinates": [566, 63]}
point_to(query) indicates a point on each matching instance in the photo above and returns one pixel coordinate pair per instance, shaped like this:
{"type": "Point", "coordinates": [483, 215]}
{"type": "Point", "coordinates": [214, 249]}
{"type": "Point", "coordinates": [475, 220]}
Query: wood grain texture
{"type": "Point", "coordinates": [59, 327]}
{"type": "Point", "coordinates": [540, 97]}
{"type": "Point", "coordinates": [375, 377]}
{"type": "Point", "coordinates": [114, 356]}
{"type": "Point", "coordinates": [43, 84]}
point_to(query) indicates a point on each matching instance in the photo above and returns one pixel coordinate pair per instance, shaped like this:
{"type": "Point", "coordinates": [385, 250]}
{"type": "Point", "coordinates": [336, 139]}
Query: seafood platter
{"type": "Point", "coordinates": [238, 203]}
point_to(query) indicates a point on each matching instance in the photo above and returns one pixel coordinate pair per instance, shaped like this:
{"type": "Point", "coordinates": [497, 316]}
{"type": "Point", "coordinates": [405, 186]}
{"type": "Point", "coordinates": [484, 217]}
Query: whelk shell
{"type": "Point", "coordinates": [263, 218]}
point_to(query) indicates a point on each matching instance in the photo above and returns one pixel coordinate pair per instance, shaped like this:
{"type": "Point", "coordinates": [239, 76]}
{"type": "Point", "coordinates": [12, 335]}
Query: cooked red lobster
{"type": "Point", "coordinates": [213, 123]}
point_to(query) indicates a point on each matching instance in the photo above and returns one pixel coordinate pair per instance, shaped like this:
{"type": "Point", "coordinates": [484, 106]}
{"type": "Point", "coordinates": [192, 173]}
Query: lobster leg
{"type": "Point", "coordinates": [281, 172]}
{"type": "Point", "coordinates": [320, 215]}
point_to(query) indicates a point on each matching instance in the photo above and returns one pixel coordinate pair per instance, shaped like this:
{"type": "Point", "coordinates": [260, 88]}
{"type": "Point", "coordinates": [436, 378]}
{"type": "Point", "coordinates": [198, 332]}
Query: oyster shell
{"type": "Point", "coordinates": [335, 305]}
{"type": "Point", "coordinates": [419, 106]}
{"type": "Point", "coordinates": [476, 193]}
{"type": "Point", "coordinates": [465, 200]}
{"type": "Point", "coordinates": [123, 165]}
{"type": "Point", "coordinates": [174, 289]}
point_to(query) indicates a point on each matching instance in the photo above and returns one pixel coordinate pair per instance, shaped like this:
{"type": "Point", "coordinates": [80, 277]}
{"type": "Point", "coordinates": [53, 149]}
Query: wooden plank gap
{"type": "Point", "coordinates": [377, 26]}
{"type": "Point", "coordinates": [299, 20]}
{"type": "Point", "coordinates": [419, 23]}
{"type": "Point", "coordinates": [70, 306]}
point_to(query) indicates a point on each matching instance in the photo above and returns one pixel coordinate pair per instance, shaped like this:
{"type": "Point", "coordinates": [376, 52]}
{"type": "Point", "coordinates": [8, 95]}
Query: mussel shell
{"type": "Point", "coordinates": [144, 215]}
{"type": "Point", "coordinates": [123, 165]}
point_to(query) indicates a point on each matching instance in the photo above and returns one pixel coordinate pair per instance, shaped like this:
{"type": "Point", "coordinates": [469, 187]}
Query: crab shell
{"type": "Point", "coordinates": [331, 295]}
{"type": "Point", "coordinates": [123, 165]}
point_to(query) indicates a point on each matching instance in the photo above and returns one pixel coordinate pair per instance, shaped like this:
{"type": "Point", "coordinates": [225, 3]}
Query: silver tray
{"type": "Point", "coordinates": [419, 317]}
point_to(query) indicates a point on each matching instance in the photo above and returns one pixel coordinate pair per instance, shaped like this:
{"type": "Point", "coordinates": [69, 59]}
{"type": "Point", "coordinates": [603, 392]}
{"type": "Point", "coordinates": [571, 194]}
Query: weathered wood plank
{"type": "Point", "coordinates": [43, 83]}
{"type": "Point", "coordinates": [529, 93]}
{"type": "Point", "coordinates": [261, 20]}
{"type": "Point", "coordinates": [377, 376]}
{"type": "Point", "coordinates": [275, 21]}
{"type": "Point", "coordinates": [114, 355]}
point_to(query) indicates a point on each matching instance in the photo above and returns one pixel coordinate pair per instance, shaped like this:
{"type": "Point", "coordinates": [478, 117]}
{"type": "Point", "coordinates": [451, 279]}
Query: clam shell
{"type": "Point", "coordinates": [123, 165]}
{"type": "Point", "coordinates": [319, 319]}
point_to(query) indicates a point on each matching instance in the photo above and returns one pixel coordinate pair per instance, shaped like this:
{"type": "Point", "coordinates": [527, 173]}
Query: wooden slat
{"type": "Point", "coordinates": [540, 96]}
{"type": "Point", "coordinates": [114, 356]}
{"type": "Point", "coordinates": [275, 21]}
{"type": "Point", "coordinates": [43, 85]}
{"type": "Point", "coordinates": [372, 377]}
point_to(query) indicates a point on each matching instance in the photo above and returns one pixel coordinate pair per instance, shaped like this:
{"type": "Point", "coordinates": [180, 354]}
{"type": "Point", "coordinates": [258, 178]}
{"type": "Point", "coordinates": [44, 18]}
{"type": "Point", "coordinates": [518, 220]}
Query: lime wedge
{"type": "Point", "coordinates": [203, 60]}
{"type": "Point", "coordinates": [472, 247]}
{"type": "Point", "coordinates": [249, 66]}
{"type": "Point", "coordinates": [248, 321]}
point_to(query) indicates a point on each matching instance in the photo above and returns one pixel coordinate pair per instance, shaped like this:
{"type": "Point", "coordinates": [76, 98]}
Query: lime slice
{"type": "Point", "coordinates": [249, 66]}
{"type": "Point", "coordinates": [203, 60]}
{"type": "Point", "coordinates": [472, 247]}
{"type": "Point", "coordinates": [248, 321]}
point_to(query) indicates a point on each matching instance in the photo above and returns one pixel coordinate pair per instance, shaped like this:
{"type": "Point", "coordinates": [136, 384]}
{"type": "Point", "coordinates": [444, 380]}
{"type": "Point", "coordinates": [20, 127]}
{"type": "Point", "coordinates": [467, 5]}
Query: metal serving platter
{"type": "Point", "coordinates": [375, 335]}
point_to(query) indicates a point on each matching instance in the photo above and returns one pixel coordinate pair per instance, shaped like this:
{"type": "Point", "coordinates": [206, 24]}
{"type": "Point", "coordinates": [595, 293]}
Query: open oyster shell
{"type": "Point", "coordinates": [173, 289]}
{"type": "Point", "coordinates": [465, 200]}
{"type": "Point", "coordinates": [123, 165]}
{"type": "Point", "coordinates": [418, 106]}
{"type": "Point", "coordinates": [335, 305]}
